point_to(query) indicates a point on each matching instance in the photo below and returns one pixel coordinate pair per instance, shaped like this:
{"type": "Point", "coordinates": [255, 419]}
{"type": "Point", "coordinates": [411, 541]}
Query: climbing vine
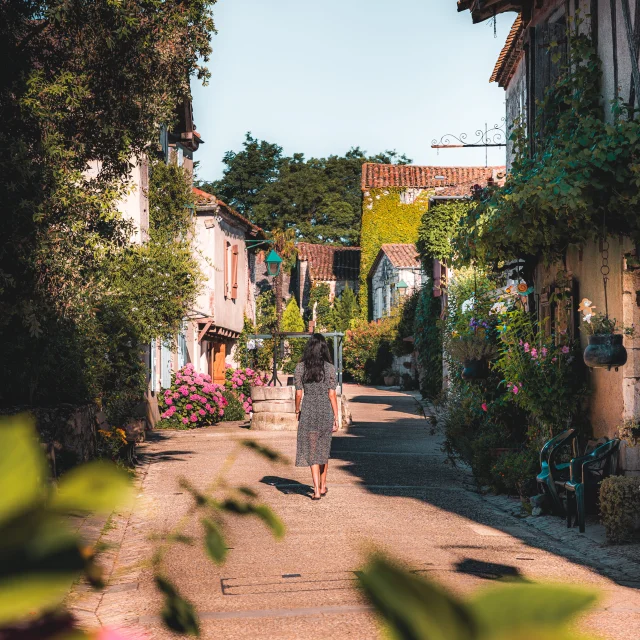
{"type": "Point", "coordinates": [576, 174]}
{"type": "Point", "coordinates": [387, 219]}
{"type": "Point", "coordinates": [438, 226]}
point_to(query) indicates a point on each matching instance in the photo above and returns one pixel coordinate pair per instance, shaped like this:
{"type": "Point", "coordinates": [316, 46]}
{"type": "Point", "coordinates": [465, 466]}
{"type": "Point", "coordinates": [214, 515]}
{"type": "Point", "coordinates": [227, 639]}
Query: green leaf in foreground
{"type": "Point", "coordinates": [98, 487]}
{"type": "Point", "coordinates": [22, 466]}
{"type": "Point", "coordinates": [214, 541]}
{"type": "Point", "coordinates": [178, 613]}
{"type": "Point", "coordinates": [523, 607]}
{"type": "Point", "coordinates": [413, 608]}
{"type": "Point", "coordinates": [270, 519]}
{"type": "Point", "coordinates": [265, 452]}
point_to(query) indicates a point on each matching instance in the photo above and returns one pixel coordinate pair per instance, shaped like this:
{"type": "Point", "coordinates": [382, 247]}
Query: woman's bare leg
{"type": "Point", "coordinates": [315, 476]}
{"type": "Point", "coordinates": [323, 477]}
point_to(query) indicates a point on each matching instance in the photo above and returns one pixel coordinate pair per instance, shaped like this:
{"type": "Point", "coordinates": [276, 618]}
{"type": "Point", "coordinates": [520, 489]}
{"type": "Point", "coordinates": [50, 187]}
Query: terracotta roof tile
{"type": "Point", "coordinates": [454, 181]}
{"type": "Point", "coordinates": [402, 255]}
{"type": "Point", "coordinates": [329, 262]}
{"type": "Point", "coordinates": [510, 55]}
{"type": "Point", "coordinates": [203, 199]}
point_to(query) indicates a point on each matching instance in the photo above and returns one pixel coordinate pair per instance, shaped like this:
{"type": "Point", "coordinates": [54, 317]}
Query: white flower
{"type": "Point", "coordinates": [587, 317]}
{"type": "Point", "coordinates": [251, 344]}
{"type": "Point", "coordinates": [469, 304]}
{"type": "Point", "coordinates": [498, 307]}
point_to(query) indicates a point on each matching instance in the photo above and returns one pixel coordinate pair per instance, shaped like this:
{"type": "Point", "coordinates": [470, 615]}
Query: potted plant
{"type": "Point", "coordinates": [605, 335]}
{"type": "Point", "coordinates": [473, 350]}
{"type": "Point", "coordinates": [389, 377]}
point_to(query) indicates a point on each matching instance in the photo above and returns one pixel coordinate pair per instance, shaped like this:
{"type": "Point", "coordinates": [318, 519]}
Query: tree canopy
{"type": "Point", "coordinates": [86, 86]}
{"type": "Point", "coordinates": [319, 197]}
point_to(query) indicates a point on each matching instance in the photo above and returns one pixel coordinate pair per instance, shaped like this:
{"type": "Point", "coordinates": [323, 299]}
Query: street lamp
{"type": "Point", "coordinates": [402, 287]}
{"type": "Point", "coordinates": [273, 262]}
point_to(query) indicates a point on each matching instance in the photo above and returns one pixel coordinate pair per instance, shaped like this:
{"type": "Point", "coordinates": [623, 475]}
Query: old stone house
{"type": "Point", "coordinates": [395, 198]}
{"type": "Point", "coordinates": [395, 274]}
{"type": "Point", "coordinates": [527, 65]}
{"type": "Point", "coordinates": [336, 266]}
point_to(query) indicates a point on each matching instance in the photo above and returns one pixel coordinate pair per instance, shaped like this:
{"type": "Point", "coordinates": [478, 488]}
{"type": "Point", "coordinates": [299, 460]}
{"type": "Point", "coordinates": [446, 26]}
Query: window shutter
{"type": "Point", "coordinates": [226, 269]}
{"type": "Point", "coordinates": [165, 366]}
{"type": "Point", "coordinates": [152, 366]}
{"type": "Point", "coordinates": [234, 272]}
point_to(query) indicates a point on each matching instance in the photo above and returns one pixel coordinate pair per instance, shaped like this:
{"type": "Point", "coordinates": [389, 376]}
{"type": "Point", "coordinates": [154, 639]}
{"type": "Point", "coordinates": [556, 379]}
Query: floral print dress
{"type": "Point", "coordinates": [316, 417]}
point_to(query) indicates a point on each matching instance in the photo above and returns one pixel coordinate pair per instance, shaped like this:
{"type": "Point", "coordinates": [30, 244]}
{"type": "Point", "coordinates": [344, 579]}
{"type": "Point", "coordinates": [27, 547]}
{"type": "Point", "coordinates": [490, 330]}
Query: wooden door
{"type": "Point", "coordinates": [217, 361]}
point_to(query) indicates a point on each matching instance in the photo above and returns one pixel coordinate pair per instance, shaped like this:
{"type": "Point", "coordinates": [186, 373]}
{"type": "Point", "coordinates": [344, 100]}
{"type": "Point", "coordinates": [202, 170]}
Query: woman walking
{"type": "Point", "coordinates": [315, 378]}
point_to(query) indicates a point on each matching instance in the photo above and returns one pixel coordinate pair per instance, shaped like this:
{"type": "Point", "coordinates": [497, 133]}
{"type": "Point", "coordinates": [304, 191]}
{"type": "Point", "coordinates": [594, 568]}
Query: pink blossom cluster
{"type": "Point", "coordinates": [193, 400]}
{"type": "Point", "coordinates": [239, 381]}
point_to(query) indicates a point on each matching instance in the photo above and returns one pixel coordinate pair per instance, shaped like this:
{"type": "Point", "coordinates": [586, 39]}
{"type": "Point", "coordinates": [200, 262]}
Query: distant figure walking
{"type": "Point", "coordinates": [315, 378]}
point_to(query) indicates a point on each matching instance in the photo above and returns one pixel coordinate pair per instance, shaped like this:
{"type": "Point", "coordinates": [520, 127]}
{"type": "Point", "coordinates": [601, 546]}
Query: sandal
{"type": "Point", "coordinates": [325, 492]}
{"type": "Point", "coordinates": [314, 497]}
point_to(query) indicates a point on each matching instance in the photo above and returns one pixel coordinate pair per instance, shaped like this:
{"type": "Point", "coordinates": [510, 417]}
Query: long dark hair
{"type": "Point", "coordinates": [316, 353]}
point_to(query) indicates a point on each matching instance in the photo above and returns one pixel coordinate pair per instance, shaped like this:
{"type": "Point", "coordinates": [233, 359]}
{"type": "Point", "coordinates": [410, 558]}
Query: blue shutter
{"type": "Point", "coordinates": [182, 347]}
{"type": "Point", "coordinates": [165, 366]}
{"type": "Point", "coordinates": [152, 365]}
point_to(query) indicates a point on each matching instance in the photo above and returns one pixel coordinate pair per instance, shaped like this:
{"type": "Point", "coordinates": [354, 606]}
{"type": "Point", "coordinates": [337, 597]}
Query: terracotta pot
{"type": "Point", "coordinates": [605, 351]}
{"type": "Point", "coordinates": [474, 369]}
{"type": "Point", "coordinates": [389, 381]}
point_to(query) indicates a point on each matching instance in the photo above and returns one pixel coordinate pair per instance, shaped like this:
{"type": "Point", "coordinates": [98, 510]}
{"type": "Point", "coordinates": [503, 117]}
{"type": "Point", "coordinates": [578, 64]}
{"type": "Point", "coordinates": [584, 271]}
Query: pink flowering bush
{"type": "Point", "coordinates": [192, 400]}
{"type": "Point", "coordinates": [240, 381]}
{"type": "Point", "coordinates": [540, 372]}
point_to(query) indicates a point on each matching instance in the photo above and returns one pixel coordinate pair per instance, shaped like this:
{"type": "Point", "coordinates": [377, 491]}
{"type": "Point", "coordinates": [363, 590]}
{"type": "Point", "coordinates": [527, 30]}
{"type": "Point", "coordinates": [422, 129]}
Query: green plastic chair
{"type": "Point", "coordinates": [585, 475]}
{"type": "Point", "coordinates": [552, 472]}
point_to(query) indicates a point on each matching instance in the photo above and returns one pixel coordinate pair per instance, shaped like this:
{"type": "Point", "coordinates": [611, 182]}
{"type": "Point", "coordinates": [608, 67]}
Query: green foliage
{"type": "Point", "coordinates": [515, 471]}
{"type": "Point", "coordinates": [415, 609]}
{"type": "Point", "coordinates": [541, 373]}
{"type": "Point", "coordinates": [577, 174]}
{"type": "Point", "coordinates": [437, 228]}
{"type": "Point", "coordinates": [292, 322]}
{"type": "Point", "coordinates": [266, 322]}
{"type": "Point", "coordinates": [319, 197]}
{"type": "Point", "coordinates": [619, 507]}
{"type": "Point", "coordinates": [427, 333]}
{"type": "Point", "coordinates": [368, 349]}
{"type": "Point", "coordinates": [385, 219]}
{"type": "Point", "coordinates": [483, 418]}
{"type": "Point", "coordinates": [40, 555]}
{"type": "Point", "coordinates": [320, 305]}
{"type": "Point", "coordinates": [233, 410]}
{"type": "Point", "coordinates": [81, 91]}
{"type": "Point", "coordinates": [345, 310]}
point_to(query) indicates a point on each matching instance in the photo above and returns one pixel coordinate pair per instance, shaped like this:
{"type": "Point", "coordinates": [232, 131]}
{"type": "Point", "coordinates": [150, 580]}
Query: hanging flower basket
{"type": "Point", "coordinates": [605, 350]}
{"type": "Point", "coordinates": [475, 369]}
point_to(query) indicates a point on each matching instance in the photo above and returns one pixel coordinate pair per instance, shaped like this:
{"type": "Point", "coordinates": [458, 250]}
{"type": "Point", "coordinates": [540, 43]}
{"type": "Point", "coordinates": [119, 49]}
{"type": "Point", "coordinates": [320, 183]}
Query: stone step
{"type": "Point", "coordinates": [274, 422]}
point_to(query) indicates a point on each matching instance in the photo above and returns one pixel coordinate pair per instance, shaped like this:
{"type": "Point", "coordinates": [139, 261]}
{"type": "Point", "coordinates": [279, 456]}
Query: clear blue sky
{"type": "Point", "coordinates": [321, 77]}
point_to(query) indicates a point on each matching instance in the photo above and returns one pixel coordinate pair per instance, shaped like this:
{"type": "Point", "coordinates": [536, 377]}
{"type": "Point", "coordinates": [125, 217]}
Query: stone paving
{"type": "Point", "coordinates": [389, 488]}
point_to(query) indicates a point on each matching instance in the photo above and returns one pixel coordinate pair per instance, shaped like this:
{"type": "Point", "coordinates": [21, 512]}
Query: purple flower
{"type": "Point", "coordinates": [515, 389]}
{"type": "Point", "coordinates": [534, 353]}
{"type": "Point", "coordinates": [565, 349]}
{"type": "Point", "coordinates": [526, 347]}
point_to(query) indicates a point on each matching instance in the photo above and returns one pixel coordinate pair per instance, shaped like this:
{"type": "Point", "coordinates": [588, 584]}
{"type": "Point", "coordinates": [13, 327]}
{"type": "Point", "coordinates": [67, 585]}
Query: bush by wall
{"type": "Point", "coordinates": [386, 219]}
{"type": "Point", "coordinates": [292, 321]}
{"type": "Point", "coordinates": [620, 507]}
{"type": "Point", "coordinates": [191, 401]}
{"type": "Point", "coordinates": [239, 382]}
{"type": "Point", "coordinates": [427, 333]}
{"type": "Point", "coordinates": [368, 349]}
{"type": "Point", "coordinates": [235, 409]}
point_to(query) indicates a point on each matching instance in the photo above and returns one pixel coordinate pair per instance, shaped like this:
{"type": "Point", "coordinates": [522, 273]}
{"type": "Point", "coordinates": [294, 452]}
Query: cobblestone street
{"type": "Point", "coordinates": [389, 487]}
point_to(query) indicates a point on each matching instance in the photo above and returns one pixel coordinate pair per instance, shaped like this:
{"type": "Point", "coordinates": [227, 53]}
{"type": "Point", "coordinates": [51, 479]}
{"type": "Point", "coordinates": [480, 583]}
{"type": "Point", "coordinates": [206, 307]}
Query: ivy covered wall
{"type": "Point", "coordinates": [389, 215]}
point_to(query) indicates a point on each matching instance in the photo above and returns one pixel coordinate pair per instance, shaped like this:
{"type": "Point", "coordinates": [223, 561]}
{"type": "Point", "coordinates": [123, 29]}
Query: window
{"type": "Point", "coordinates": [378, 304]}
